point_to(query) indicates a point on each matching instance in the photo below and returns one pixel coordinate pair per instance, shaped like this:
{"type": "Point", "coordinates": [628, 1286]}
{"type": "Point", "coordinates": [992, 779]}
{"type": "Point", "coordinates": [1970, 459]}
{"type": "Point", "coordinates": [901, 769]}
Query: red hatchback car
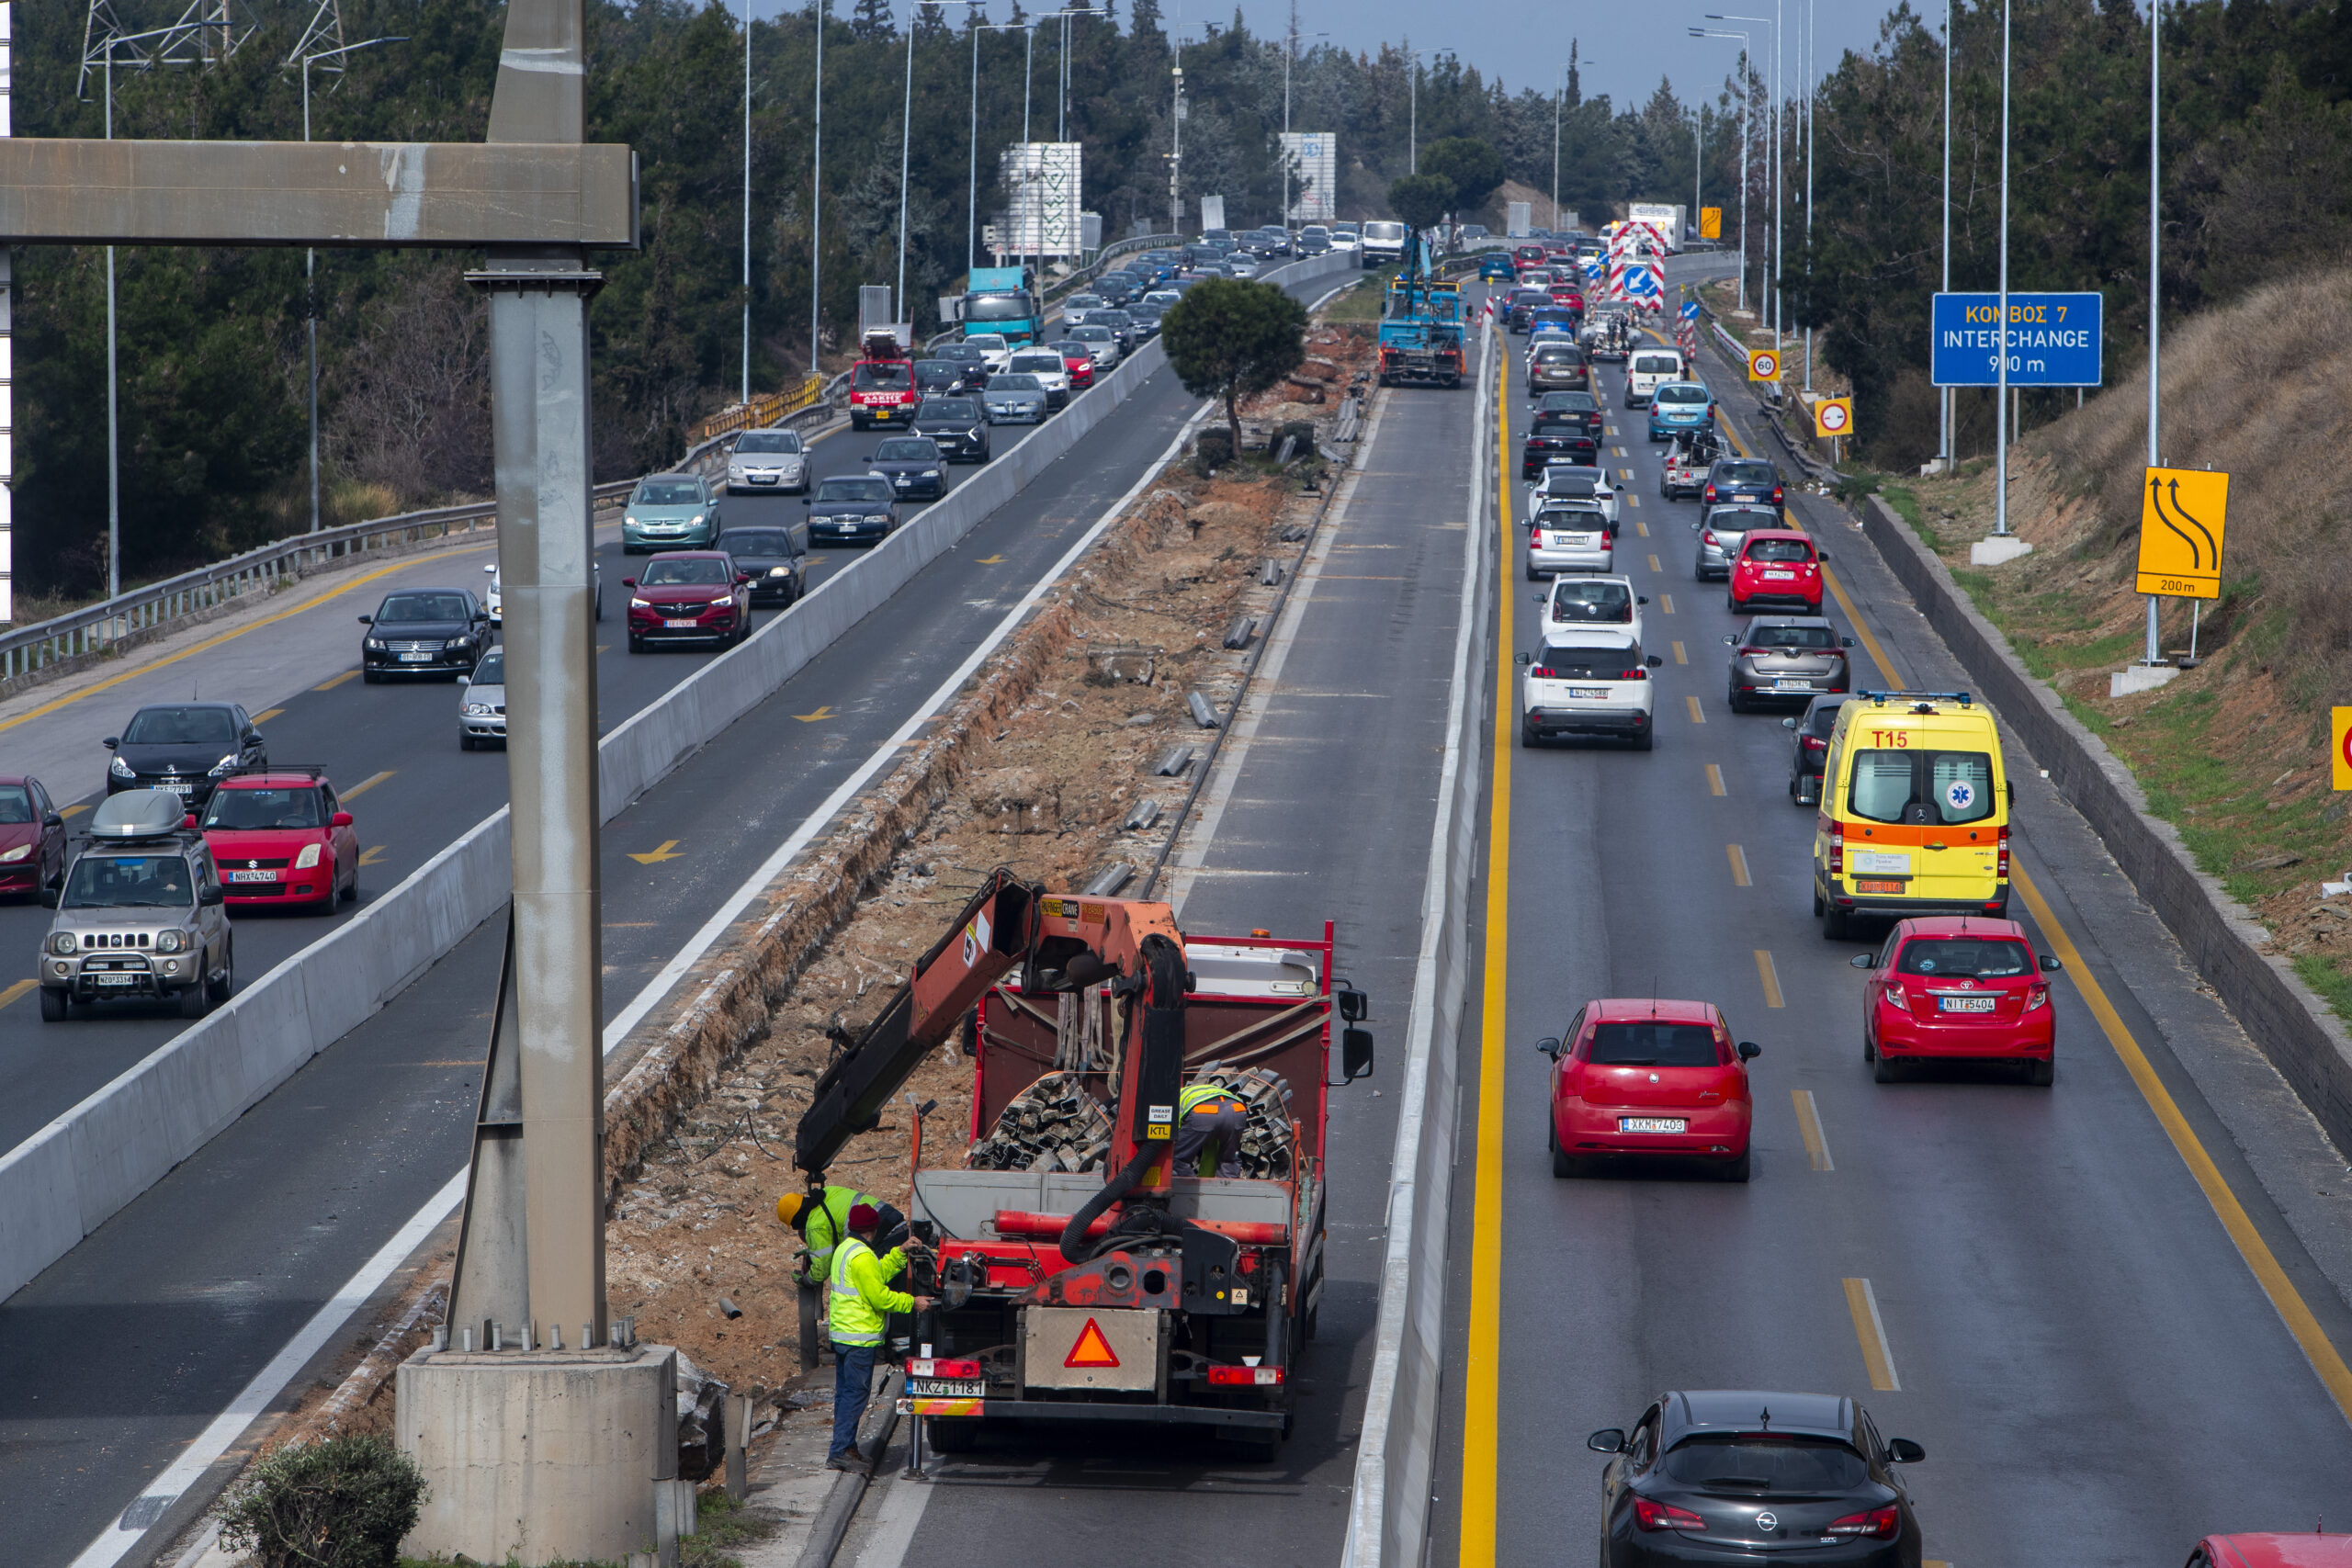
{"type": "Point", "coordinates": [280, 837]}
{"type": "Point", "coordinates": [1958, 986]}
{"type": "Point", "coordinates": [1081, 360]}
{"type": "Point", "coordinates": [32, 837]}
{"type": "Point", "coordinates": [1650, 1077]}
{"type": "Point", "coordinates": [2265, 1549]}
{"type": "Point", "coordinates": [1780, 568]}
{"type": "Point", "coordinates": [689, 596]}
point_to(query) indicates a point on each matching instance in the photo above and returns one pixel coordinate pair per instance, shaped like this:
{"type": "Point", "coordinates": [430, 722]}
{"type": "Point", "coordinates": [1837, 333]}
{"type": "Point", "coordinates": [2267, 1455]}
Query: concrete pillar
{"type": "Point", "coordinates": [533, 1457]}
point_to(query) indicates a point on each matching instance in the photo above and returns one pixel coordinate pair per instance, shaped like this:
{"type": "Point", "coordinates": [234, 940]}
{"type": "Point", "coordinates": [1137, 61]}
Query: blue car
{"type": "Point", "coordinates": [1680, 407]}
{"type": "Point", "coordinates": [1494, 268]}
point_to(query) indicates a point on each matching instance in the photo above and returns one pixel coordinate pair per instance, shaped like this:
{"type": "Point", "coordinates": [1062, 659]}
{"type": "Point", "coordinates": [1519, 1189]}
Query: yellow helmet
{"type": "Point", "coordinates": [788, 1208]}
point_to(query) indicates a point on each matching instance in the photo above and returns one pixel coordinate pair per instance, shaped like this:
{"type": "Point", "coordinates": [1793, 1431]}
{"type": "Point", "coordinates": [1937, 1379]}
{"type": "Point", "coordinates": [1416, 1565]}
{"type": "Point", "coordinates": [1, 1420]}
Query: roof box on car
{"type": "Point", "coordinates": [139, 814]}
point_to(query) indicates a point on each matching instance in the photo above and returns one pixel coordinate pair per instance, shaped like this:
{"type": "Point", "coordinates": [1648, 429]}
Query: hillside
{"type": "Point", "coordinates": [2234, 753]}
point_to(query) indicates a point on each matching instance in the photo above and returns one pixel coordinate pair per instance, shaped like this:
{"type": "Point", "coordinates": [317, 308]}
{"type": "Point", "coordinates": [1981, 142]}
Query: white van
{"type": "Point", "coordinates": [1646, 369]}
{"type": "Point", "coordinates": [1383, 242]}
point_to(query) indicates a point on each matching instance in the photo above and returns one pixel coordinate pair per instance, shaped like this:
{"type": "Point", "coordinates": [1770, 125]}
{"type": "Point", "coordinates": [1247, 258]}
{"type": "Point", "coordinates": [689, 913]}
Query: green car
{"type": "Point", "coordinates": [670, 512]}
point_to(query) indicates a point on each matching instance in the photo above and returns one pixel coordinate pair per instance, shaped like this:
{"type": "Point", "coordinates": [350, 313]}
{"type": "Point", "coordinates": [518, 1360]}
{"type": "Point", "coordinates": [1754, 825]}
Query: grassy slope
{"type": "Point", "coordinates": [2234, 753]}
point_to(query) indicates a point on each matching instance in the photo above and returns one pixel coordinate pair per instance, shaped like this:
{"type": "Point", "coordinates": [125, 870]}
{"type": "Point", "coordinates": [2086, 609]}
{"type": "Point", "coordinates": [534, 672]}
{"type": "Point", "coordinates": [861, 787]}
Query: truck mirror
{"type": "Point", "coordinates": [1354, 1006]}
{"type": "Point", "coordinates": [1355, 1055]}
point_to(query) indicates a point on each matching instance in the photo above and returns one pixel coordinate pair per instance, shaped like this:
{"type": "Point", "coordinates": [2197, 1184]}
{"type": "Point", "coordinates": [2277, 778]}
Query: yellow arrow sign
{"type": "Point", "coordinates": [991, 560]}
{"type": "Point", "coordinates": [2182, 512]}
{"type": "Point", "coordinates": [825, 712]}
{"type": "Point", "coordinates": [370, 855]}
{"type": "Point", "coordinates": [656, 856]}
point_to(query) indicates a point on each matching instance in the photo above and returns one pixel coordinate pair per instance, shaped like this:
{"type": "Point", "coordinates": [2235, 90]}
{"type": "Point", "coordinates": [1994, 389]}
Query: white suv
{"type": "Point", "coordinates": [1588, 683]}
{"type": "Point", "coordinates": [1576, 606]}
{"type": "Point", "coordinates": [1647, 371]}
{"type": "Point", "coordinates": [1568, 535]}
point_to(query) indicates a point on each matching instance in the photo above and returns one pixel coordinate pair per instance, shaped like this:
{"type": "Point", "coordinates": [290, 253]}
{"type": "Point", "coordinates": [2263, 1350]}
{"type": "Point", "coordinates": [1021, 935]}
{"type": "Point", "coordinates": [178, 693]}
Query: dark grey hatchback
{"type": "Point", "coordinates": [957, 425]}
{"type": "Point", "coordinates": [1792, 1479]}
{"type": "Point", "coordinates": [772, 558]}
{"type": "Point", "coordinates": [851, 507]}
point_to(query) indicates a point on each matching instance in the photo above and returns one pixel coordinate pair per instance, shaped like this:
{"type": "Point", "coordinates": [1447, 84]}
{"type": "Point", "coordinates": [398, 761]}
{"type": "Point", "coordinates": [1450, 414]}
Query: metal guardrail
{"type": "Point", "coordinates": [766, 408]}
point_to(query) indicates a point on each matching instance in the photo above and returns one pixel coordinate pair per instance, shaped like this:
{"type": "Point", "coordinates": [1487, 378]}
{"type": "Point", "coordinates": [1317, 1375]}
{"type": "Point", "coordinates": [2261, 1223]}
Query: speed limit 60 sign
{"type": "Point", "coordinates": [1832, 416]}
{"type": "Point", "coordinates": [1763, 364]}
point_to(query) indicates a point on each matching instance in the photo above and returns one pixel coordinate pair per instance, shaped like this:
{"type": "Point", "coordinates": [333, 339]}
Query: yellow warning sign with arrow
{"type": "Point", "coordinates": [2182, 514]}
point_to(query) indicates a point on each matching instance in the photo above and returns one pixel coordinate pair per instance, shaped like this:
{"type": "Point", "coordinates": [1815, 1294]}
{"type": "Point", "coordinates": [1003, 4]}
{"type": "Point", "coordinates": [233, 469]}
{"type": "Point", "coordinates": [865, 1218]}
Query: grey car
{"type": "Point", "coordinates": [1100, 342]}
{"type": "Point", "coordinates": [1077, 306]}
{"type": "Point", "coordinates": [481, 704]}
{"type": "Point", "coordinates": [1014, 398]}
{"type": "Point", "coordinates": [773, 559]}
{"type": "Point", "coordinates": [1720, 536]}
{"type": "Point", "coordinates": [1787, 659]}
{"type": "Point", "coordinates": [914, 466]}
{"type": "Point", "coordinates": [1122, 325]}
{"type": "Point", "coordinates": [141, 915]}
{"type": "Point", "coordinates": [1811, 757]}
{"type": "Point", "coordinates": [767, 460]}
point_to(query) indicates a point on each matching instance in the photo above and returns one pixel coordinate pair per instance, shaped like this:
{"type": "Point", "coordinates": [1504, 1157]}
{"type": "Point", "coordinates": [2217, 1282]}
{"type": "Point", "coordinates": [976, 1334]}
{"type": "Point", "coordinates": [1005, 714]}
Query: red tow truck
{"type": "Point", "coordinates": [882, 384]}
{"type": "Point", "coordinates": [1092, 1285]}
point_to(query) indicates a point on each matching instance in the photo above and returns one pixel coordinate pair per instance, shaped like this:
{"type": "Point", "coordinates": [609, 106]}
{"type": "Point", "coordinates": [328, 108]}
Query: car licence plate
{"type": "Point", "coordinates": [682, 625]}
{"type": "Point", "coordinates": [1964, 1004]}
{"type": "Point", "coordinates": [1785, 685]}
{"type": "Point", "coordinates": [416, 658]}
{"type": "Point", "coordinates": [1865, 885]}
{"type": "Point", "coordinates": [178, 787]}
{"type": "Point", "coordinates": [947, 1388]}
{"type": "Point", "coordinates": [1593, 693]}
{"type": "Point", "coordinates": [252, 877]}
{"type": "Point", "coordinates": [845, 528]}
{"type": "Point", "coordinates": [114, 979]}
{"type": "Point", "coordinates": [1780, 577]}
{"type": "Point", "coordinates": [1651, 1124]}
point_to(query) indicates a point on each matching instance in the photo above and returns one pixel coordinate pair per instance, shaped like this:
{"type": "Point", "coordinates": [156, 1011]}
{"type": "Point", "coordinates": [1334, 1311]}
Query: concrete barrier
{"type": "Point", "coordinates": [1388, 1512]}
{"type": "Point", "coordinates": [2285, 1018]}
{"type": "Point", "coordinates": [72, 1176]}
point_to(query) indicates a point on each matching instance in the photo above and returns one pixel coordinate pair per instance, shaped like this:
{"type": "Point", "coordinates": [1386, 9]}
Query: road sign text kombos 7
{"type": "Point", "coordinates": [2053, 340]}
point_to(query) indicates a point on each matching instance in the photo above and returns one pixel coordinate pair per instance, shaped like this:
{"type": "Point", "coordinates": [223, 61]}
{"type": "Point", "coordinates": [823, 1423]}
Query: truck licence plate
{"type": "Point", "coordinates": [1866, 884]}
{"type": "Point", "coordinates": [1651, 1124]}
{"type": "Point", "coordinates": [947, 1388]}
{"type": "Point", "coordinates": [1965, 1004]}
{"type": "Point", "coordinates": [252, 877]}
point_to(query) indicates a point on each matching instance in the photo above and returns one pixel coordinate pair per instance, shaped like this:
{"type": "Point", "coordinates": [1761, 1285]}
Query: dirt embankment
{"type": "Point", "coordinates": [2233, 751]}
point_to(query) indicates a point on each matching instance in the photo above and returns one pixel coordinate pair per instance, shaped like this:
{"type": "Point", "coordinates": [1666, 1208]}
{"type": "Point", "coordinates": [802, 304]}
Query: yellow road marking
{"type": "Point", "coordinates": [990, 560]}
{"type": "Point", "coordinates": [1769, 974]}
{"type": "Point", "coordinates": [1482, 1382]}
{"type": "Point", "coordinates": [655, 857]}
{"type": "Point", "coordinates": [1862, 1303]}
{"type": "Point", "coordinates": [825, 712]}
{"type": "Point", "coordinates": [1653, 566]}
{"type": "Point", "coordinates": [1697, 715]}
{"type": "Point", "coordinates": [18, 989]}
{"type": "Point", "coordinates": [1627, 472]}
{"type": "Point", "coordinates": [1714, 779]}
{"type": "Point", "coordinates": [1738, 857]}
{"type": "Point", "coordinates": [1641, 527]}
{"type": "Point", "coordinates": [364, 786]}
{"type": "Point", "coordinates": [373, 854]}
{"type": "Point", "coordinates": [604, 648]}
{"type": "Point", "coordinates": [1618, 450]}
{"type": "Point", "coordinates": [339, 679]}
{"type": "Point", "coordinates": [2293, 1311]}
{"type": "Point", "coordinates": [1816, 1147]}
{"type": "Point", "coordinates": [1666, 602]}
{"type": "Point", "coordinates": [1680, 657]}
{"type": "Point", "coordinates": [212, 642]}
{"type": "Point", "coordinates": [266, 714]}
{"type": "Point", "coordinates": [1634, 500]}
{"type": "Point", "coordinates": [75, 810]}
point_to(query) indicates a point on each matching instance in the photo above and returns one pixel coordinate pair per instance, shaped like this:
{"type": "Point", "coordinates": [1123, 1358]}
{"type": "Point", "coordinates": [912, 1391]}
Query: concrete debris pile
{"type": "Point", "coordinates": [1266, 1140]}
{"type": "Point", "coordinates": [1054, 1124]}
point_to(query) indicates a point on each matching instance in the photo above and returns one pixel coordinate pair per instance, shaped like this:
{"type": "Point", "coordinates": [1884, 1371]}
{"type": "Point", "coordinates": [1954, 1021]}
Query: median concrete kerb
{"type": "Point", "coordinates": [2284, 1018]}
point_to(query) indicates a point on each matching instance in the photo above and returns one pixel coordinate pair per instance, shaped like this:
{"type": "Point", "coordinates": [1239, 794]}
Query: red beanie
{"type": "Point", "coordinates": [862, 1217]}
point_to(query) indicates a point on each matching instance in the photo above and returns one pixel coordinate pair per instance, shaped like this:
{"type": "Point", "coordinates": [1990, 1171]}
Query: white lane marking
{"type": "Point", "coordinates": [896, 1523]}
{"type": "Point", "coordinates": [266, 1384]}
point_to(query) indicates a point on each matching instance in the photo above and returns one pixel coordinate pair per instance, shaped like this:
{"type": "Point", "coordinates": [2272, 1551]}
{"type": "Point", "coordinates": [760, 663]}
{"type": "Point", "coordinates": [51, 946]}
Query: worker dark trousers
{"type": "Point", "coordinates": [852, 1383]}
{"type": "Point", "coordinates": [1221, 1120]}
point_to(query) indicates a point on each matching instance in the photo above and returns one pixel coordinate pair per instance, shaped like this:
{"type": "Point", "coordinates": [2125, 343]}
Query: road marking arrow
{"type": "Point", "coordinates": [990, 560]}
{"type": "Point", "coordinates": [373, 854]}
{"type": "Point", "coordinates": [825, 712]}
{"type": "Point", "coordinates": [654, 857]}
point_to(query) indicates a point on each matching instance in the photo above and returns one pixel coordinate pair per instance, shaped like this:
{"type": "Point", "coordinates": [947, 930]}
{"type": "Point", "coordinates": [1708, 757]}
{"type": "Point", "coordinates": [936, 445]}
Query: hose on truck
{"type": "Point", "coordinates": [1074, 1234]}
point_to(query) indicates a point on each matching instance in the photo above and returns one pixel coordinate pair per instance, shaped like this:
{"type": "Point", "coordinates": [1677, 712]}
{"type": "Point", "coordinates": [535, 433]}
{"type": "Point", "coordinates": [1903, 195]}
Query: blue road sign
{"type": "Point", "coordinates": [2053, 340]}
{"type": "Point", "coordinates": [1690, 309]}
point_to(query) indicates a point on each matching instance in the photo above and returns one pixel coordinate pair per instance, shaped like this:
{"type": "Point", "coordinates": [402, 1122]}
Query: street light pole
{"type": "Point", "coordinates": [1290, 49]}
{"type": "Point", "coordinates": [817, 199]}
{"type": "Point", "coordinates": [1944, 451]}
{"type": "Point", "coordinates": [2156, 273]}
{"type": "Point", "coordinates": [906, 136]}
{"type": "Point", "coordinates": [1559, 97]}
{"type": "Point", "coordinates": [2001, 326]}
{"type": "Point", "coordinates": [972, 153]}
{"type": "Point", "coordinates": [747, 202]}
{"type": "Point", "coordinates": [1771, 292]}
{"type": "Point", "coordinates": [1745, 97]}
{"type": "Point", "coordinates": [1811, 86]}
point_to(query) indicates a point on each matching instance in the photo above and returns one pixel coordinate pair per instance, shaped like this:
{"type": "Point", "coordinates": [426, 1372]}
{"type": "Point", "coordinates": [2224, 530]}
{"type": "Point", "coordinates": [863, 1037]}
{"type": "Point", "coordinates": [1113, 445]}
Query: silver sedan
{"type": "Point", "coordinates": [767, 460]}
{"type": "Point", "coordinates": [1720, 536]}
{"type": "Point", "coordinates": [1014, 399]}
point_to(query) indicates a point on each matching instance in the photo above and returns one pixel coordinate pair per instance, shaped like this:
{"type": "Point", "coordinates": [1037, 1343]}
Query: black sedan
{"type": "Point", "coordinates": [1788, 658]}
{"type": "Point", "coordinates": [914, 466]}
{"type": "Point", "coordinates": [937, 377]}
{"type": "Point", "coordinates": [1523, 305]}
{"type": "Point", "coordinates": [1812, 750]}
{"type": "Point", "coordinates": [187, 748]}
{"type": "Point", "coordinates": [1556, 444]}
{"type": "Point", "coordinates": [1752, 1477]}
{"type": "Point", "coordinates": [956, 425]}
{"type": "Point", "coordinates": [968, 360]}
{"type": "Point", "coordinates": [849, 508]}
{"type": "Point", "coordinates": [771, 558]}
{"type": "Point", "coordinates": [425, 631]}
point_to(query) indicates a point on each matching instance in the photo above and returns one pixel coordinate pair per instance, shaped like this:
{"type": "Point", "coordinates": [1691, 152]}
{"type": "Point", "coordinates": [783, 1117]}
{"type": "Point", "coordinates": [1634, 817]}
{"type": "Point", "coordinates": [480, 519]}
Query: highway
{"type": "Point", "coordinates": [2031, 1282]}
{"type": "Point", "coordinates": [119, 1353]}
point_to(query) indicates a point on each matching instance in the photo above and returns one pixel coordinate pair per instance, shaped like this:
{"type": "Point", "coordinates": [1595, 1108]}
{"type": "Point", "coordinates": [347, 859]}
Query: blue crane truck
{"type": "Point", "coordinates": [1003, 300]}
{"type": "Point", "coordinates": [1421, 327]}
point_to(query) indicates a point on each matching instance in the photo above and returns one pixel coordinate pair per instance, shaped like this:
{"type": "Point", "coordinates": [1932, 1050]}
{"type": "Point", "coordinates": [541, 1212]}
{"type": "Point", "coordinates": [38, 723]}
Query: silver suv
{"type": "Point", "coordinates": [139, 915]}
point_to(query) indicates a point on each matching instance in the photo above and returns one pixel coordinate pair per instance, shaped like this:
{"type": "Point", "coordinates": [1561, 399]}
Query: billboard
{"type": "Point", "coordinates": [2053, 340]}
{"type": "Point", "coordinates": [1041, 181]}
{"type": "Point", "coordinates": [1314, 158]}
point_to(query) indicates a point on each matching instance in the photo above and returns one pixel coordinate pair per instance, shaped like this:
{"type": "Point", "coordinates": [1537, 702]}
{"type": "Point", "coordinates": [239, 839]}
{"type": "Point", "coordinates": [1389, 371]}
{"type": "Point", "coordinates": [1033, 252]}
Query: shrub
{"type": "Point", "coordinates": [345, 1503]}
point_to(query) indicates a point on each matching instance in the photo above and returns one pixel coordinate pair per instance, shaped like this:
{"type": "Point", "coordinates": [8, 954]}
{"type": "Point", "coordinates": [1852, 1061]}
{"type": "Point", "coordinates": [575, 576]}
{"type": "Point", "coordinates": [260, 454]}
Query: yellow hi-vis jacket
{"type": "Point", "coordinates": [828, 1221]}
{"type": "Point", "coordinates": [859, 1295]}
{"type": "Point", "coordinates": [1190, 1098]}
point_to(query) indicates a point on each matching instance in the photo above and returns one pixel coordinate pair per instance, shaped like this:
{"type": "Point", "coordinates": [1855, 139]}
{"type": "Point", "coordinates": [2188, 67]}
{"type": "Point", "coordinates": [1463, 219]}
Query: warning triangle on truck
{"type": "Point", "coordinates": [1091, 1349]}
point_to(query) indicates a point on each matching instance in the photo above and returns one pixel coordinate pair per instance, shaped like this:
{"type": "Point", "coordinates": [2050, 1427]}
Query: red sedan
{"type": "Point", "coordinates": [2283, 1549]}
{"type": "Point", "coordinates": [1081, 360]}
{"type": "Point", "coordinates": [32, 837]}
{"type": "Point", "coordinates": [1650, 1077]}
{"type": "Point", "coordinates": [689, 596]}
{"type": "Point", "coordinates": [280, 837]}
{"type": "Point", "coordinates": [1958, 986]}
{"type": "Point", "coordinates": [1778, 567]}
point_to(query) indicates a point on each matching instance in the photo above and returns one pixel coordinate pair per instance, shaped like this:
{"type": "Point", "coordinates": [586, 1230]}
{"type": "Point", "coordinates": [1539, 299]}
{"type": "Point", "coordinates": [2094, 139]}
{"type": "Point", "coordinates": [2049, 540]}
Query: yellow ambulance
{"type": "Point", "coordinates": [1915, 812]}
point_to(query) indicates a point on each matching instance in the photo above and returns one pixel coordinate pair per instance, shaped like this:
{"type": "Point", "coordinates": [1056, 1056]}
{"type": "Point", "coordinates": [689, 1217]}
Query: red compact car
{"type": "Point", "coordinates": [2284, 1550]}
{"type": "Point", "coordinates": [1650, 1077]}
{"type": "Point", "coordinates": [32, 837]}
{"type": "Point", "coordinates": [1777, 567]}
{"type": "Point", "coordinates": [1958, 986]}
{"type": "Point", "coordinates": [1081, 360]}
{"type": "Point", "coordinates": [688, 596]}
{"type": "Point", "coordinates": [1567, 296]}
{"type": "Point", "coordinates": [280, 837]}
